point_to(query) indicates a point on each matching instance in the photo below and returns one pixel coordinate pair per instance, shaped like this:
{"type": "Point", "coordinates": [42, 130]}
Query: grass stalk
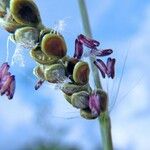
{"type": "Point", "coordinates": [104, 118]}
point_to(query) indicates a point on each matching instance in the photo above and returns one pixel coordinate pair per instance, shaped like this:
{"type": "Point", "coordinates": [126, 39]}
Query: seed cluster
{"type": "Point", "coordinates": [48, 48]}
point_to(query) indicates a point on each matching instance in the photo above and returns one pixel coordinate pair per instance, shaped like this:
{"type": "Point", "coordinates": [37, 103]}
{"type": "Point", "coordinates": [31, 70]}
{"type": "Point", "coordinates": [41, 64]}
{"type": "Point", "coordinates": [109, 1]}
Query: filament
{"type": "Point", "coordinates": [7, 49]}
{"type": "Point", "coordinates": [120, 81]}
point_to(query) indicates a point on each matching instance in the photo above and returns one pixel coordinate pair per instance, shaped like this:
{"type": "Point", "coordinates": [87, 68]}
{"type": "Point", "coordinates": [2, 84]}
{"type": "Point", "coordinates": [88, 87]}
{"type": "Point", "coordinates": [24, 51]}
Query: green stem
{"type": "Point", "coordinates": [87, 31]}
{"type": "Point", "coordinates": [105, 124]}
{"type": "Point", "coordinates": [104, 119]}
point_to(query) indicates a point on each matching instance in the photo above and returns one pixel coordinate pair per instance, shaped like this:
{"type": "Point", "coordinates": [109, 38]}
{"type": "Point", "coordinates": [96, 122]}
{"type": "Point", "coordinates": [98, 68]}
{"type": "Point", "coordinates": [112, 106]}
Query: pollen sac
{"type": "Point", "coordinates": [25, 12]}
{"type": "Point", "coordinates": [69, 88]}
{"type": "Point", "coordinates": [80, 99]}
{"type": "Point", "coordinates": [55, 73]}
{"type": "Point", "coordinates": [86, 113]}
{"type": "Point", "coordinates": [81, 73]}
{"type": "Point", "coordinates": [27, 36]}
{"type": "Point", "coordinates": [41, 58]}
{"type": "Point", "coordinates": [54, 45]}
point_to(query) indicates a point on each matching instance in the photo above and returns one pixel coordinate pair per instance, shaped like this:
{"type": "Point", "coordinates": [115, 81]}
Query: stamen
{"type": "Point", "coordinates": [78, 49]}
{"type": "Point", "coordinates": [108, 69]}
{"type": "Point", "coordinates": [111, 67]}
{"type": "Point", "coordinates": [101, 66]}
{"type": "Point", "coordinates": [39, 84]}
{"type": "Point", "coordinates": [88, 42]}
{"type": "Point", "coordinates": [101, 53]}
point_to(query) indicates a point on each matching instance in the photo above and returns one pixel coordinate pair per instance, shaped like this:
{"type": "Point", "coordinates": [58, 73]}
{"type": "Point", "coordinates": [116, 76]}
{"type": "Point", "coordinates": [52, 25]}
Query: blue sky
{"type": "Point", "coordinates": [123, 26]}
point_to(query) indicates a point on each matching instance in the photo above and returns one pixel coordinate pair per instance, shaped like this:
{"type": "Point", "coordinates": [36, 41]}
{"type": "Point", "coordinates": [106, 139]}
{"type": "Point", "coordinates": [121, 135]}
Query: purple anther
{"type": "Point", "coordinates": [12, 89]}
{"type": "Point", "coordinates": [39, 84]}
{"type": "Point", "coordinates": [7, 81]}
{"type": "Point", "coordinates": [78, 49]}
{"type": "Point", "coordinates": [88, 42]}
{"type": "Point", "coordinates": [101, 66]}
{"type": "Point", "coordinates": [101, 53]}
{"type": "Point", "coordinates": [94, 104]}
{"type": "Point", "coordinates": [4, 70]}
{"type": "Point", "coordinates": [108, 69]}
{"type": "Point", "coordinates": [111, 67]}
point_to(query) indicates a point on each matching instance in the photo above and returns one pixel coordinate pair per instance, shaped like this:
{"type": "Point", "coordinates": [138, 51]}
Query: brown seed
{"type": "Point", "coordinates": [81, 73]}
{"type": "Point", "coordinates": [54, 45]}
{"type": "Point", "coordinates": [25, 12]}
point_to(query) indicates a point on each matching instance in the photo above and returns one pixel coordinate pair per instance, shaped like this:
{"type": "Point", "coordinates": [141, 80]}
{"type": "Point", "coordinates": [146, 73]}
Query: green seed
{"type": "Point", "coordinates": [80, 99]}
{"type": "Point", "coordinates": [69, 88]}
{"type": "Point", "coordinates": [41, 58]}
{"type": "Point", "coordinates": [86, 113]}
{"type": "Point", "coordinates": [53, 45]}
{"type": "Point", "coordinates": [55, 73]}
{"type": "Point", "coordinates": [81, 73]}
{"type": "Point", "coordinates": [26, 35]}
{"type": "Point", "coordinates": [25, 12]}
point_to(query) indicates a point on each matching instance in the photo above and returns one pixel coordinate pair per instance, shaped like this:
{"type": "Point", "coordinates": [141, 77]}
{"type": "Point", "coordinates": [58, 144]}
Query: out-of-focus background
{"type": "Point", "coordinates": [39, 120]}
